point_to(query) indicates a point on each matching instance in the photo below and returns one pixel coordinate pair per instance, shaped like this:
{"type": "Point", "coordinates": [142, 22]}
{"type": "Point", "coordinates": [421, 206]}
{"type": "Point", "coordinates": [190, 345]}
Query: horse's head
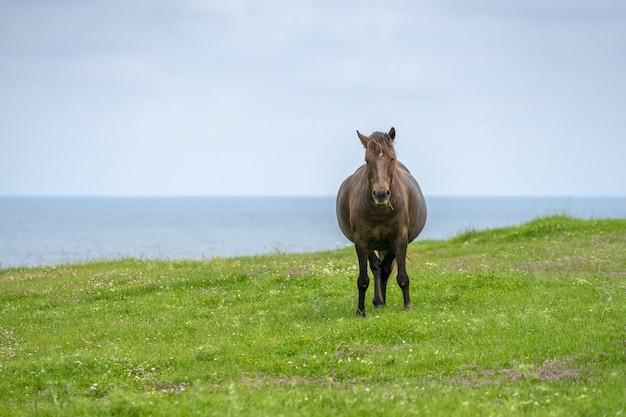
{"type": "Point", "coordinates": [380, 159]}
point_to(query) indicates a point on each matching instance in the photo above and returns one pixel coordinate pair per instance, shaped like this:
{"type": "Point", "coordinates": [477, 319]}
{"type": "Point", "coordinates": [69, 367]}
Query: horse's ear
{"type": "Point", "coordinates": [392, 134]}
{"type": "Point", "coordinates": [364, 139]}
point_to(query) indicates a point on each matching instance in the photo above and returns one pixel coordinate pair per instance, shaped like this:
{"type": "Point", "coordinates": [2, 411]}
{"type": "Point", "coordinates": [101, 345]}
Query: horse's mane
{"type": "Point", "coordinates": [381, 143]}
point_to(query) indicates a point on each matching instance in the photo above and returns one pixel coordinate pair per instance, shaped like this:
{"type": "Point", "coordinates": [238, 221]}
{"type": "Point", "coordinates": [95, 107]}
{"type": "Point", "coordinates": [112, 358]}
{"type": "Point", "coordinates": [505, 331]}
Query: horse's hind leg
{"type": "Point", "coordinates": [386, 267]}
{"type": "Point", "coordinates": [379, 288]}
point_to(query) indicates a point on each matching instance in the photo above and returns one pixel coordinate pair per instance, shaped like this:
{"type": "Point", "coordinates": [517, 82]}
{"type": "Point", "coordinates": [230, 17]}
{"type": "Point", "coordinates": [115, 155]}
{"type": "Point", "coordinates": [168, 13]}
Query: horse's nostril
{"type": "Point", "coordinates": [381, 194]}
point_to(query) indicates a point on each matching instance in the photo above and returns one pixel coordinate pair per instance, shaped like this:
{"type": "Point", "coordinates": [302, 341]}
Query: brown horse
{"type": "Point", "coordinates": [381, 208]}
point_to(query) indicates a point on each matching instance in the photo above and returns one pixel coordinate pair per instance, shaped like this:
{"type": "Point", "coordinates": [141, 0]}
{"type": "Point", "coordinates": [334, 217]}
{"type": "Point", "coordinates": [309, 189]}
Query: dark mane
{"type": "Point", "coordinates": [381, 143]}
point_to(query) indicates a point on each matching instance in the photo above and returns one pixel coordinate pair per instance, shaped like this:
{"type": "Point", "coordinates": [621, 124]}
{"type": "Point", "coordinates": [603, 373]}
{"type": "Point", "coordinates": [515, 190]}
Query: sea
{"type": "Point", "coordinates": [46, 231]}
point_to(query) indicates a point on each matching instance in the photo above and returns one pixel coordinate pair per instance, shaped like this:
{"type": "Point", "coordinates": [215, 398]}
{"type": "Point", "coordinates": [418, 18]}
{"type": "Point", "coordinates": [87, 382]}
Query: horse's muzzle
{"type": "Point", "coordinates": [381, 197]}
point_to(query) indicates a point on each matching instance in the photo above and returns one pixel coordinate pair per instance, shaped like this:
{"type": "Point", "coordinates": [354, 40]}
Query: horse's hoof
{"type": "Point", "coordinates": [360, 313]}
{"type": "Point", "coordinates": [379, 304]}
{"type": "Point", "coordinates": [408, 307]}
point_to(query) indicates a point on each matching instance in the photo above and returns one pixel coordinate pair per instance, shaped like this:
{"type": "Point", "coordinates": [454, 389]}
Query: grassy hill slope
{"type": "Point", "coordinates": [513, 321]}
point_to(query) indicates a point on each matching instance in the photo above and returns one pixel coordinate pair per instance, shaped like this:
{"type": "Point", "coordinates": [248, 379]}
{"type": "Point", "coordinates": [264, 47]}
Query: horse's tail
{"type": "Point", "coordinates": [394, 268]}
{"type": "Point", "coordinates": [394, 265]}
{"type": "Point", "coordinates": [410, 259]}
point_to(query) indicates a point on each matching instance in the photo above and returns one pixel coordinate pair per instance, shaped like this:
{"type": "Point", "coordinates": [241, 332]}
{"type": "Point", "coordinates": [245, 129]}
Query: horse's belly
{"type": "Point", "coordinates": [384, 246]}
{"type": "Point", "coordinates": [382, 238]}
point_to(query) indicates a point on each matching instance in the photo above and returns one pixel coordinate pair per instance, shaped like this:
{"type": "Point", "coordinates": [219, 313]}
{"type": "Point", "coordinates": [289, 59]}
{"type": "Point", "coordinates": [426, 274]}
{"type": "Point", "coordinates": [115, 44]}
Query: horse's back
{"type": "Point", "coordinates": [416, 202]}
{"type": "Point", "coordinates": [346, 189]}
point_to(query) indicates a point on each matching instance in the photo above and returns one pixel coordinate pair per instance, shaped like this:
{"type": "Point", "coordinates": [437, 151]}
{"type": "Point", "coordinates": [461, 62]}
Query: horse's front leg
{"type": "Point", "coordinates": [403, 277]}
{"type": "Point", "coordinates": [363, 281]}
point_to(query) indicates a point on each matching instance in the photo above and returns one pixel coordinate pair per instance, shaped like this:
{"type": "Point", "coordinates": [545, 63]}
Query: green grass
{"type": "Point", "coordinates": [528, 320]}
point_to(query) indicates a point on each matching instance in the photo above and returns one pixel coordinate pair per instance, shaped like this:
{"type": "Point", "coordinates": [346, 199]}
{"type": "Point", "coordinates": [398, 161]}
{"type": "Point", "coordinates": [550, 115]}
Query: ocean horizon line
{"type": "Point", "coordinates": [280, 196]}
{"type": "Point", "coordinates": [39, 230]}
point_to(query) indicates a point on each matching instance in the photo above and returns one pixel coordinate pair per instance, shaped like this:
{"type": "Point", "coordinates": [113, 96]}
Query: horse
{"type": "Point", "coordinates": [381, 208]}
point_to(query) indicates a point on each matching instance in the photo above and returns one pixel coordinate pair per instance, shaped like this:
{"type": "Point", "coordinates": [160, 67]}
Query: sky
{"type": "Point", "coordinates": [229, 97]}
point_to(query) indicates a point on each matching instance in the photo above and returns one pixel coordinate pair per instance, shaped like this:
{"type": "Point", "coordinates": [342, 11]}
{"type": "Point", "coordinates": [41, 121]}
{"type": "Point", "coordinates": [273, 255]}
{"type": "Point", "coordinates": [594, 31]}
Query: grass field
{"type": "Point", "coordinates": [528, 320]}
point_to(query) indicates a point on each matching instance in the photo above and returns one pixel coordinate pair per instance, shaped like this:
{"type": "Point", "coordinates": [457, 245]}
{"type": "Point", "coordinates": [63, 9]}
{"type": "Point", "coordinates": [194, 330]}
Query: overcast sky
{"type": "Point", "coordinates": [227, 97]}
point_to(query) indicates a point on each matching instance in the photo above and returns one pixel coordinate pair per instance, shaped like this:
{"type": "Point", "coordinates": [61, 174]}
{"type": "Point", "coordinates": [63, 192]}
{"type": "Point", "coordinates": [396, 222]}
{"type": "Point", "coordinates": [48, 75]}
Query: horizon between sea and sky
{"type": "Point", "coordinates": [39, 231]}
{"type": "Point", "coordinates": [249, 98]}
